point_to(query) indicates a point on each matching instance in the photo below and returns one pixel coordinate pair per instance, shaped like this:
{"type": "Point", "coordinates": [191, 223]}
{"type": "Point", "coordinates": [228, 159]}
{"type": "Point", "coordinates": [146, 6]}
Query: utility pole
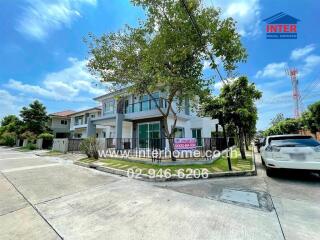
{"type": "Point", "coordinates": [293, 72]}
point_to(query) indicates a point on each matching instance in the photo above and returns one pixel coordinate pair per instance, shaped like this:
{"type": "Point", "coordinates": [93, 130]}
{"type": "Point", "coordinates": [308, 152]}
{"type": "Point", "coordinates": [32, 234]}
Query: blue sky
{"type": "Point", "coordinates": [43, 55]}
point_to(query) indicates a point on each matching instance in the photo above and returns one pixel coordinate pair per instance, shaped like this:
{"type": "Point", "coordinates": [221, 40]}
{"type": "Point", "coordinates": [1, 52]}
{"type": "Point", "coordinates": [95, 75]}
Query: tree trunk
{"type": "Point", "coordinates": [241, 144]}
{"type": "Point", "coordinates": [246, 141]}
{"type": "Point", "coordinates": [171, 146]}
{"type": "Point", "coordinates": [227, 145]}
{"type": "Point", "coordinates": [165, 114]}
{"type": "Point", "coordinates": [169, 137]}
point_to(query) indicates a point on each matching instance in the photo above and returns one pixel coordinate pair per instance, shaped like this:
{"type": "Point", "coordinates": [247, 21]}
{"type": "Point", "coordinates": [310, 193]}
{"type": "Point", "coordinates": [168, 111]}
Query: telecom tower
{"type": "Point", "coordinates": [295, 90]}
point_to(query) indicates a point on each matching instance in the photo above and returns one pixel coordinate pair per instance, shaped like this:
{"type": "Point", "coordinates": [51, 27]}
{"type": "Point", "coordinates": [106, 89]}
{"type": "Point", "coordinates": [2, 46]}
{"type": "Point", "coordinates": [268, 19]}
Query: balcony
{"type": "Point", "coordinates": [142, 106]}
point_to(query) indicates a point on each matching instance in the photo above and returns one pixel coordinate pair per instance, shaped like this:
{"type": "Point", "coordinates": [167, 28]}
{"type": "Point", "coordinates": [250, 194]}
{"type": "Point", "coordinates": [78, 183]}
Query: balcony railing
{"type": "Point", "coordinates": [142, 106]}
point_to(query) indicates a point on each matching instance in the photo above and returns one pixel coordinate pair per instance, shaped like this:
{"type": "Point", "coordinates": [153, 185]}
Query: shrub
{"type": "Point", "coordinates": [8, 139]}
{"type": "Point", "coordinates": [46, 136]}
{"type": "Point", "coordinates": [31, 146]}
{"type": "Point", "coordinates": [90, 147]}
{"type": "Point", "coordinates": [30, 136]}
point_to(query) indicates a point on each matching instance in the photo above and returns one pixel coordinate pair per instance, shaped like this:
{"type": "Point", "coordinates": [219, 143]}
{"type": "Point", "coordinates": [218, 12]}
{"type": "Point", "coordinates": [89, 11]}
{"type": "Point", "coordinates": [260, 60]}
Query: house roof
{"type": "Point", "coordinates": [64, 113]}
{"type": "Point", "coordinates": [113, 93]}
{"type": "Point", "coordinates": [281, 18]}
{"type": "Point", "coordinates": [99, 108]}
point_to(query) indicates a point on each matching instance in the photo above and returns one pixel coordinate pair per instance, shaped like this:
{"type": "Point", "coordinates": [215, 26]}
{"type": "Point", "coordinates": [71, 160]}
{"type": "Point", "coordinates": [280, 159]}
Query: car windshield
{"type": "Point", "coordinates": [298, 142]}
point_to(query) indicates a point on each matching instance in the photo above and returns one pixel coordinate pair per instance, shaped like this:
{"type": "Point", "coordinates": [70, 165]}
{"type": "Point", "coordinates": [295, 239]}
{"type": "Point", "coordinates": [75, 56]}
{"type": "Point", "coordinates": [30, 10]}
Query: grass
{"type": "Point", "coordinates": [220, 165]}
{"type": "Point", "coordinates": [24, 149]}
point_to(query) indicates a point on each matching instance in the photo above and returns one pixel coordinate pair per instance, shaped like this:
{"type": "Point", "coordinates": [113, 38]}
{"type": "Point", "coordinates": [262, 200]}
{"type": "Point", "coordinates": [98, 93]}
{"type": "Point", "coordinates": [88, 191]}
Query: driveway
{"type": "Point", "coordinates": [50, 198]}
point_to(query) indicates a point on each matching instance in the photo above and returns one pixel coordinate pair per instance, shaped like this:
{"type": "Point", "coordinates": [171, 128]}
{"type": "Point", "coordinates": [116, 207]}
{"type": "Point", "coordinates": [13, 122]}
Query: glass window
{"type": "Point", "coordinates": [196, 133]}
{"type": "Point", "coordinates": [64, 122]}
{"type": "Point", "coordinates": [302, 142]}
{"type": "Point", "coordinates": [109, 106]}
{"type": "Point", "coordinates": [179, 132]}
{"type": "Point", "coordinates": [144, 103]}
{"type": "Point", "coordinates": [79, 120]}
{"type": "Point", "coordinates": [156, 97]}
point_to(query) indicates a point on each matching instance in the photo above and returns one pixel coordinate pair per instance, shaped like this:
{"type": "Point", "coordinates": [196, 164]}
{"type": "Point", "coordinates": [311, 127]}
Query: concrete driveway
{"type": "Point", "coordinates": [49, 198]}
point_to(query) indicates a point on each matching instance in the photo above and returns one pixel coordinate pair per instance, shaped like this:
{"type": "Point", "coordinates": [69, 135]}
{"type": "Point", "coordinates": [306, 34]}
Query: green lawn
{"type": "Point", "coordinates": [220, 165]}
{"type": "Point", "coordinates": [23, 149]}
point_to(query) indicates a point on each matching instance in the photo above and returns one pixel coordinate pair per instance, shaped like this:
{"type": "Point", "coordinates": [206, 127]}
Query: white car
{"type": "Point", "coordinates": [290, 152]}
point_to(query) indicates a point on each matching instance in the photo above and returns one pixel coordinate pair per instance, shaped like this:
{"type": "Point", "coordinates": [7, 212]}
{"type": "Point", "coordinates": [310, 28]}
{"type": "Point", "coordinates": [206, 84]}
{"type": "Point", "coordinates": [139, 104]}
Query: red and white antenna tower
{"type": "Point", "coordinates": [295, 90]}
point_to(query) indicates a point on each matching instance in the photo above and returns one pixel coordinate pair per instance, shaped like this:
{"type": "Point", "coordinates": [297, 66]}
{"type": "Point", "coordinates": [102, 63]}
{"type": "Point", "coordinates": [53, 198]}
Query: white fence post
{"type": "Point", "coordinates": [25, 142]}
{"type": "Point", "coordinates": [39, 143]}
{"type": "Point", "coordinates": [60, 145]}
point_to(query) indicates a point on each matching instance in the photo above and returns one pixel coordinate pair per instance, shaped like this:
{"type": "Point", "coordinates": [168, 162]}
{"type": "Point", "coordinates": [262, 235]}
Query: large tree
{"type": "Point", "coordinates": [239, 99]}
{"type": "Point", "coordinates": [311, 117]}
{"type": "Point", "coordinates": [11, 124]}
{"type": "Point", "coordinates": [166, 52]}
{"type": "Point", "coordinates": [215, 107]}
{"type": "Point", "coordinates": [35, 117]}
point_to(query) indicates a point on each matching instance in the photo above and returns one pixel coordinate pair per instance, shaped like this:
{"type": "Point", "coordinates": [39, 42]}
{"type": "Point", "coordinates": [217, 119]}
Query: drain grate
{"type": "Point", "coordinates": [241, 197]}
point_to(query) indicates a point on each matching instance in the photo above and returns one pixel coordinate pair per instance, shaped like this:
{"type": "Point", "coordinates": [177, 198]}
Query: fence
{"type": "Point", "coordinates": [203, 144]}
{"type": "Point", "coordinates": [74, 145]}
{"type": "Point", "coordinates": [309, 133]}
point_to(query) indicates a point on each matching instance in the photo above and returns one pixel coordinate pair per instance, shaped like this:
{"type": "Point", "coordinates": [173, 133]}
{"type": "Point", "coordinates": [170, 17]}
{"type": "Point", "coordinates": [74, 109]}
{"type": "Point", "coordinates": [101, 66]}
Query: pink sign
{"type": "Point", "coordinates": [185, 143]}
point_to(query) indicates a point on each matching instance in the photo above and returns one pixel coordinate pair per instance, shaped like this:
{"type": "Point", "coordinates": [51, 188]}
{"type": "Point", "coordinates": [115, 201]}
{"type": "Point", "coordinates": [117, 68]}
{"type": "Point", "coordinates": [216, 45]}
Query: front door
{"type": "Point", "coordinates": [149, 135]}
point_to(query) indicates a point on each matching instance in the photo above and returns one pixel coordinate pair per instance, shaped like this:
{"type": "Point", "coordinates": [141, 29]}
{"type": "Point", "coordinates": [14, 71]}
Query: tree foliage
{"type": "Point", "coordinates": [235, 108]}
{"type": "Point", "coordinates": [288, 126]}
{"type": "Point", "coordinates": [35, 117]}
{"type": "Point", "coordinates": [166, 53]}
{"type": "Point", "coordinates": [311, 118]}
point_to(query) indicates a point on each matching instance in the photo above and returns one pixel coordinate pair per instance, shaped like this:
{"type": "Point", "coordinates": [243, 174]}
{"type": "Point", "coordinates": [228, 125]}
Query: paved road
{"type": "Point", "coordinates": [49, 198]}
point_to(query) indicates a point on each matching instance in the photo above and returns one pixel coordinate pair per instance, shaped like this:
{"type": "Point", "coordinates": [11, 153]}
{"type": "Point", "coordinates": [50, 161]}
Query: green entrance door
{"type": "Point", "coordinates": [149, 135]}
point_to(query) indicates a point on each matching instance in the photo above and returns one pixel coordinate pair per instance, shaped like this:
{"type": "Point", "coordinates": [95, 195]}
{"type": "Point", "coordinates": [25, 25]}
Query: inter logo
{"type": "Point", "coordinates": [281, 26]}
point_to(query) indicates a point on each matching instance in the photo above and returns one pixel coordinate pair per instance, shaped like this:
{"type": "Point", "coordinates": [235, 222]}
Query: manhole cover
{"type": "Point", "coordinates": [237, 196]}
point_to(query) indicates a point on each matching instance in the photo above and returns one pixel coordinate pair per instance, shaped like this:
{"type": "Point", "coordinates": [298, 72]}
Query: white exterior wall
{"type": "Point", "coordinates": [127, 130]}
{"type": "Point", "coordinates": [207, 125]}
{"type": "Point", "coordinates": [56, 124]}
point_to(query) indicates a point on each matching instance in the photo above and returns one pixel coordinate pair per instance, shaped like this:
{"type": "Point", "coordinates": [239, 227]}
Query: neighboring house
{"type": "Point", "coordinates": [134, 121]}
{"type": "Point", "coordinates": [59, 123]}
{"type": "Point", "coordinates": [79, 123]}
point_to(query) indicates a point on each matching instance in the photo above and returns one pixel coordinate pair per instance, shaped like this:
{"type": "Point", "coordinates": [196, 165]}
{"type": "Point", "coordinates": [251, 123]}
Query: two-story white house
{"type": "Point", "coordinates": [134, 121]}
{"type": "Point", "coordinates": [80, 120]}
{"type": "Point", "coordinates": [59, 123]}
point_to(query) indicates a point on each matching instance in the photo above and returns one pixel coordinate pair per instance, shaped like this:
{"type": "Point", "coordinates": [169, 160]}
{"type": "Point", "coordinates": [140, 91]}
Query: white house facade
{"type": "Point", "coordinates": [135, 122]}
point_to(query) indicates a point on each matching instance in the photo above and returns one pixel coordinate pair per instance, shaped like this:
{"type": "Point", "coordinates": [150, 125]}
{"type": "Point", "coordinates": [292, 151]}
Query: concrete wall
{"type": "Point", "coordinates": [25, 142]}
{"type": "Point", "coordinates": [60, 145]}
{"type": "Point", "coordinates": [39, 143]}
{"type": "Point", "coordinates": [58, 127]}
{"type": "Point", "coordinates": [207, 125]}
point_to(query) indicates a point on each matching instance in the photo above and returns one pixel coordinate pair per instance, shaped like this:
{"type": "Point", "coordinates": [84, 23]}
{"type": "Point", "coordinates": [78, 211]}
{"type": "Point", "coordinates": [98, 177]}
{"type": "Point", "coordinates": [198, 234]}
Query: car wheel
{"type": "Point", "coordinates": [270, 172]}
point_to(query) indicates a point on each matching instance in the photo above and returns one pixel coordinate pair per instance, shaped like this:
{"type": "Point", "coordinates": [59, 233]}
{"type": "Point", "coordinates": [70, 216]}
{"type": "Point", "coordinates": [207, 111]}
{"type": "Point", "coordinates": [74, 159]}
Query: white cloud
{"type": "Point", "coordinates": [40, 17]}
{"type": "Point", "coordinates": [69, 84]}
{"type": "Point", "coordinates": [310, 63]}
{"type": "Point", "coordinates": [245, 12]}
{"type": "Point", "coordinates": [301, 52]}
{"type": "Point", "coordinates": [273, 70]}
{"type": "Point", "coordinates": [9, 103]}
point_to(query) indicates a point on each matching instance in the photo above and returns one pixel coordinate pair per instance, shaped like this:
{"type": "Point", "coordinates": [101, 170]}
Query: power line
{"type": "Point", "coordinates": [313, 87]}
{"type": "Point", "coordinates": [198, 31]}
